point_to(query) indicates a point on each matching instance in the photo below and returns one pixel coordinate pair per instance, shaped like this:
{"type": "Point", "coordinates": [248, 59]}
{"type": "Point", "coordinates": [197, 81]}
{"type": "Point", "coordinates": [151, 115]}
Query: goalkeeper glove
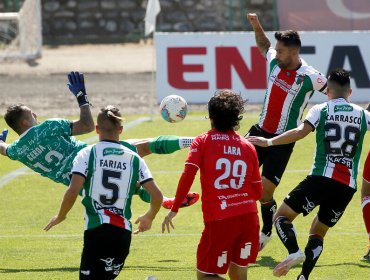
{"type": "Point", "coordinates": [3, 135]}
{"type": "Point", "coordinates": [77, 87]}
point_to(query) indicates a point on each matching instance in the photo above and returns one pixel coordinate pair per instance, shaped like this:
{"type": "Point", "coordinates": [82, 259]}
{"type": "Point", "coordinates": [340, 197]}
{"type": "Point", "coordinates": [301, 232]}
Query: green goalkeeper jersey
{"type": "Point", "coordinates": [48, 148]}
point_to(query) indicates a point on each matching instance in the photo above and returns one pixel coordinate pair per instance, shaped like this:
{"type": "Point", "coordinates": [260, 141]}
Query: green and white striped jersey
{"type": "Point", "coordinates": [340, 130]}
{"type": "Point", "coordinates": [47, 148]}
{"type": "Point", "coordinates": [111, 170]}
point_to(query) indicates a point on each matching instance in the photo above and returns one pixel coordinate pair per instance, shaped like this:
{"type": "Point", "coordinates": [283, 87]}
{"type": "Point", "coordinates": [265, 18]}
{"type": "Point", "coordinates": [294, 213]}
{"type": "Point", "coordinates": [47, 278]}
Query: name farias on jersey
{"type": "Point", "coordinates": [115, 164]}
{"type": "Point", "coordinates": [228, 150]}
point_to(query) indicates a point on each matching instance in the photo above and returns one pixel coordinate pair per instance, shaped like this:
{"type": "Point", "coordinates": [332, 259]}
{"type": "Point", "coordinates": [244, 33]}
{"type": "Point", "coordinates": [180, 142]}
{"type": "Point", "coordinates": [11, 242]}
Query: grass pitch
{"type": "Point", "coordinates": [28, 202]}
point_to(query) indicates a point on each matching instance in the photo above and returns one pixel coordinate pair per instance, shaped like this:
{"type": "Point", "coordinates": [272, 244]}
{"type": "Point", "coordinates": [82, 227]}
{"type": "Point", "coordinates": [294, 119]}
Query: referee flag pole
{"type": "Point", "coordinates": [152, 10]}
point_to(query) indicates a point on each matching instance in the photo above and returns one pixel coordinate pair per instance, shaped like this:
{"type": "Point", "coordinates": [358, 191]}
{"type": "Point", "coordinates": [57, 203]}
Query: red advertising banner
{"type": "Point", "coordinates": [333, 15]}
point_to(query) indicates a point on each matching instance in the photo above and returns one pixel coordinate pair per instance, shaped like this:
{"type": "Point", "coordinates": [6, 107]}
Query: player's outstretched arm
{"type": "Point", "coordinates": [69, 200]}
{"type": "Point", "coordinates": [164, 144]}
{"type": "Point", "coordinates": [145, 221]}
{"type": "Point", "coordinates": [287, 137]}
{"type": "Point", "coordinates": [77, 86]}
{"type": "Point", "coordinates": [263, 43]}
{"type": "Point", "coordinates": [368, 107]}
{"type": "Point", "coordinates": [3, 145]}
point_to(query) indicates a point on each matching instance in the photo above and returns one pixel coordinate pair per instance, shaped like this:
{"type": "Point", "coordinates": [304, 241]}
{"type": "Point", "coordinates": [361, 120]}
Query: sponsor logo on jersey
{"type": "Point", "coordinates": [343, 108]}
{"type": "Point", "coordinates": [300, 79]}
{"type": "Point", "coordinates": [112, 151]}
{"type": "Point", "coordinates": [113, 210]}
{"type": "Point", "coordinates": [341, 160]}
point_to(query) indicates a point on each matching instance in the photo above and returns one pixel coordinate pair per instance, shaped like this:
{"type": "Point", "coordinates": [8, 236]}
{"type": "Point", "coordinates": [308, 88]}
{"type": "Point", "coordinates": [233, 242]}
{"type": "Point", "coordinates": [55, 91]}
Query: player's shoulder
{"type": "Point", "coordinates": [55, 122]}
{"type": "Point", "coordinates": [310, 71]}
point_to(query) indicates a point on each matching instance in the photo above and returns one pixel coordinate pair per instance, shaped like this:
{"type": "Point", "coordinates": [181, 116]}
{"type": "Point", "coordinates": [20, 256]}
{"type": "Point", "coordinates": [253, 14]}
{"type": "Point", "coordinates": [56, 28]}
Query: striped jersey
{"type": "Point", "coordinates": [111, 170]}
{"type": "Point", "coordinates": [47, 148]}
{"type": "Point", "coordinates": [287, 94]}
{"type": "Point", "coordinates": [340, 130]}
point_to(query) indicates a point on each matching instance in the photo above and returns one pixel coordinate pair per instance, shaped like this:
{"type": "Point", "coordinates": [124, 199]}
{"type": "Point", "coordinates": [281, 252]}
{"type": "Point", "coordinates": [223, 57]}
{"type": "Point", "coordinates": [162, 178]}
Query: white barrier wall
{"type": "Point", "coordinates": [195, 65]}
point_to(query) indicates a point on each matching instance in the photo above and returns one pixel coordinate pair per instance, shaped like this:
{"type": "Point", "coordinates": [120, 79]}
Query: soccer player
{"type": "Point", "coordinates": [48, 148]}
{"type": "Point", "coordinates": [365, 200]}
{"type": "Point", "coordinates": [107, 173]}
{"type": "Point", "coordinates": [340, 130]}
{"type": "Point", "coordinates": [291, 84]}
{"type": "Point", "coordinates": [231, 185]}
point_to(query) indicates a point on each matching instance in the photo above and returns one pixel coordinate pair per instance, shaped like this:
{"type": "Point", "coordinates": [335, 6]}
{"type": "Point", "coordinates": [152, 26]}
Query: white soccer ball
{"type": "Point", "coordinates": [151, 278]}
{"type": "Point", "coordinates": [173, 108]}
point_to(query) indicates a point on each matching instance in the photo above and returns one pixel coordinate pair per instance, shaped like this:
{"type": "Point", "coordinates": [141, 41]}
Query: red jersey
{"type": "Point", "coordinates": [229, 174]}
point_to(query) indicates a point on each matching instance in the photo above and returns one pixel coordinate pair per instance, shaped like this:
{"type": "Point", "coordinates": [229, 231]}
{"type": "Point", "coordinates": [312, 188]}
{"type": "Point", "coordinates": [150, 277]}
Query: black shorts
{"type": "Point", "coordinates": [274, 158]}
{"type": "Point", "coordinates": [105, 250]}
{"type": "Point", "coordinates": [332, 197]}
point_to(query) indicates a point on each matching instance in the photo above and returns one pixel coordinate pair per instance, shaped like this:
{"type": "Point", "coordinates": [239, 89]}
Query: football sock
{"type": "Point", "coordinates": [268, 210]}
{"type": "Point", "coordinates": [143, 194]}
{"type": "Point", "coordinates": [313, 250]}
{"type": "Point", "coordinates": [365, 204]}
{"type": "Point", "coordinates": [167, 144]}
{"type": "Point", "coordinates": [286, 232]}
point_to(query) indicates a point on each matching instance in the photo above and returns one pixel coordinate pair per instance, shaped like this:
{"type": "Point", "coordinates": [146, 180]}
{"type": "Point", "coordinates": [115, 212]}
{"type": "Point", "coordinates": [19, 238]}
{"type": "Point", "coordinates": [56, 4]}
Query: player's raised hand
{"type": "Point", "coordinates": [252, 18]}
{"type": "Point", "coordinates": [3, 135]}
{"type": "Point", "coordinates": [167, 222]}
{"type": "Point", "coordinates": [77, 86]}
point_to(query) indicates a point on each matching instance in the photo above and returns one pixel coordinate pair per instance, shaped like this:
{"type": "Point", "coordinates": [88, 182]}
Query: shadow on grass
{"type": "Point", "coordinates": [76, 269]}
{"type": "Point", "coordinates": [57, 269]}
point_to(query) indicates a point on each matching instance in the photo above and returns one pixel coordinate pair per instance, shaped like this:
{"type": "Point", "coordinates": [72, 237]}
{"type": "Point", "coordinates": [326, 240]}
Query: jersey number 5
{"type": "Point", "coordinates": [106, 181]}
{"type": "Point", "coordinates": [234, 174]}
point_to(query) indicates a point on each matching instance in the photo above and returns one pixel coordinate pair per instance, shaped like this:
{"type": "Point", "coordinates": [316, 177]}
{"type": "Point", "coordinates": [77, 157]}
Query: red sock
{"type": "Point", "coordinates": [366, 212]}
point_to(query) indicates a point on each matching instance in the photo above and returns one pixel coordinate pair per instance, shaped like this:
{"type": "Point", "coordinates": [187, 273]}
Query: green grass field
{"type": "Point", "coordinates": [29, 201]}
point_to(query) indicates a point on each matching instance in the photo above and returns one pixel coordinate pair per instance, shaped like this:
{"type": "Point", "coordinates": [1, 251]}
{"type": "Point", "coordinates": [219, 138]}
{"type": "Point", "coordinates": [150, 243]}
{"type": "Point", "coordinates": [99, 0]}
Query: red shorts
{"type": "Point", "coordinates": [366, 173]}
{"type": "Point", "coordinates": [233, 239]}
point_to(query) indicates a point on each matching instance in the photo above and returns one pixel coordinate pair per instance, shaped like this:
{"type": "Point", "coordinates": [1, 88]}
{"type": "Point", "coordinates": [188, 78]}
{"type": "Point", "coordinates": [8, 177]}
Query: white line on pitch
{"type": "Point", "coordinates": [46, 235]}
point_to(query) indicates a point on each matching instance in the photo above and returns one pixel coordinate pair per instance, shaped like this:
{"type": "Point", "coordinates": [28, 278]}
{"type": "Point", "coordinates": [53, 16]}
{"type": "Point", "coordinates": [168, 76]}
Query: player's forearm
{"type": "Point", "coordinates": [368, 107]}
{"type": "Point", "coordinates": [69, 200]}
{"type": "Point", "coordinates": [155, 204]}
{"type": "Point", "coordinates": [184, 185]}
{"type": "Point", "coordinates": [86, 122]}
{"type": "Point", "coordinates": [288, 137]}
{"type": "Point", "coordinates": [263, 43]}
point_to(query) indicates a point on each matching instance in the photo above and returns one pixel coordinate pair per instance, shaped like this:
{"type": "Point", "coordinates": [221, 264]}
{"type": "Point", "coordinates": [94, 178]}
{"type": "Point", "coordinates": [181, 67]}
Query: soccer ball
{"type": "Point", "coordinates": [173, 108]}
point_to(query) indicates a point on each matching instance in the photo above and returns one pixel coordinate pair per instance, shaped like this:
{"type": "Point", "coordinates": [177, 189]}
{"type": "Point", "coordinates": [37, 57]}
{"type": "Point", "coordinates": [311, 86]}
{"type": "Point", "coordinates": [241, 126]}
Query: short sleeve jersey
{"type": "Point", "coordinates": [111, 171]}
{"type": "Point", "coordinates": [287, 94]}
{"type": "Point", "coordinates": [228, 166]}
{"type": "Point", "coordinates": [48, 149]}
{"type": "Point", "coordinates": [340, 130]}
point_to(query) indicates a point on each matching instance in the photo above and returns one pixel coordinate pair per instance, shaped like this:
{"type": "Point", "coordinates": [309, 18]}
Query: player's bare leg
{"type": "Point", "coordinates": [237, 272]}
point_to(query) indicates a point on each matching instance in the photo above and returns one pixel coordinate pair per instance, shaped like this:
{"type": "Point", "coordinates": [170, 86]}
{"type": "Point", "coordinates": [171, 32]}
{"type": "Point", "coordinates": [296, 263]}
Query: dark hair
{"type": "Point", "coordinates": [289, 38]}
{"type": "Point", "coordinates": [109, 118]}
{"type": "Point", "coordinates": [13, 116]}
{"type": "Point", "coordinates": [225, 109]}
{"type": "Point", "coordinates": [340, 76]}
